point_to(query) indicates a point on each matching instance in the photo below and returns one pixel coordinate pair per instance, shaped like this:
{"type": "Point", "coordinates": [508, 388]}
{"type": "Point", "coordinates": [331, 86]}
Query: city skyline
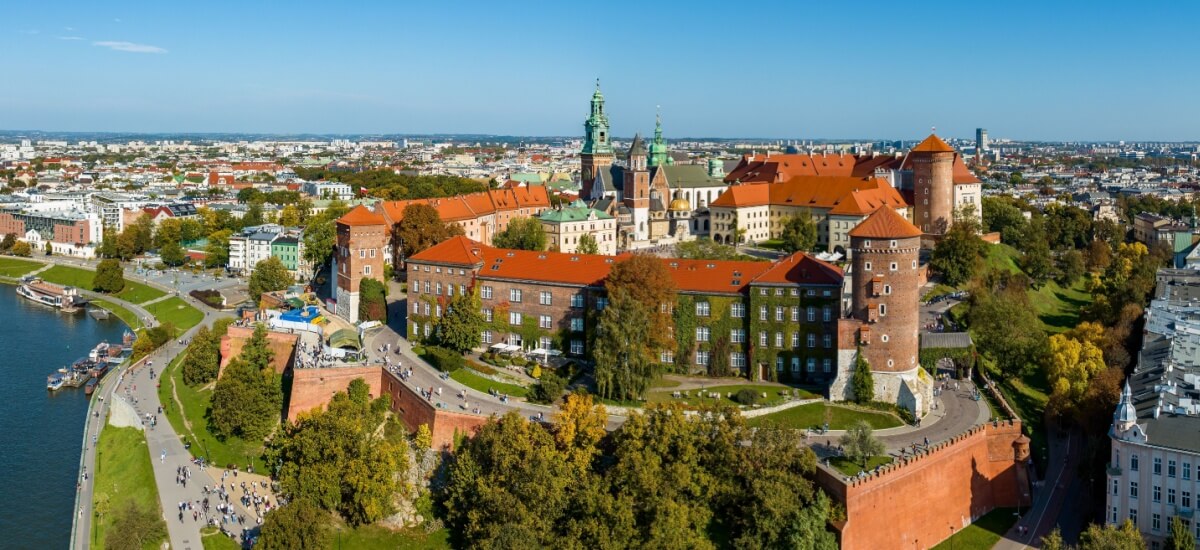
{"type": "Point", "coordinates": [1029, 72]}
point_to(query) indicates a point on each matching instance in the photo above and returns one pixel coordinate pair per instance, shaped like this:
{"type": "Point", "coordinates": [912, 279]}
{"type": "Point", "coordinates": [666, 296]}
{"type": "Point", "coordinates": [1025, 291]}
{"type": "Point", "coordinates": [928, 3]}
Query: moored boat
{"type": "Point", "coordinates": [65, 298]}
{"type": "Point", "coordinates": [90, 387]}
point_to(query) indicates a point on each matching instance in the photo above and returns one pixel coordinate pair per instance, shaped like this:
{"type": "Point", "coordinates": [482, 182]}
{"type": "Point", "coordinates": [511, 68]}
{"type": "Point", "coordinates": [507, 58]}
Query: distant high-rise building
{"type": "Point", "coordinates": [981, 139]}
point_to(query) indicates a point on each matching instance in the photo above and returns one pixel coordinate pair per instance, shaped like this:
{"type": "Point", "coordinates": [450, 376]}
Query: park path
{"type": "Point", "coordinates": [1049, 494]}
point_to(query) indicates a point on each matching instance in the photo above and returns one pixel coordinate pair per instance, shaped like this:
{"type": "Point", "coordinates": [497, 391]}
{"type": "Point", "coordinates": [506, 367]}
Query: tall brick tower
{"type": "Point", "coordinates": [362, 237]}
{"type": "Point", "coordinates": [884, 286]}
{"type": "Point", "coordinates": [933, 185]}
{"type": "Point", "coordinates": [597, 153]}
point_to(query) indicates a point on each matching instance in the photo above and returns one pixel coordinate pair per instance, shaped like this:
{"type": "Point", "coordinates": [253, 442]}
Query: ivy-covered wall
{"type": "Point", "coordinates": [720, 323]}
{"type": "Point", "coordinates": [964, 358]}
{"type": "Point", "coordinates": [767, 356]}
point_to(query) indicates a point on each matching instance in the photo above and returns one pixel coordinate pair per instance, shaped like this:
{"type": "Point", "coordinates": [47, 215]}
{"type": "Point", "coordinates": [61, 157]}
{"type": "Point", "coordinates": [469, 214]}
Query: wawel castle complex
{"type": "Point", "coordinates": [797, 319]}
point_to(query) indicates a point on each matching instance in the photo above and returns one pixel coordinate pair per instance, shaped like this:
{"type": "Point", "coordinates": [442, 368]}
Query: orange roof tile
{"type": "Point", "coordinates": [933, 144]}
{"type": "Point", "coordinates": [361, 215]}
{"type": "Point", "coordinates": [814, 192]}
{"type": "Point", "coordinates": [885, 223]}
{"type": "Point", "coordinates": [801, 267]}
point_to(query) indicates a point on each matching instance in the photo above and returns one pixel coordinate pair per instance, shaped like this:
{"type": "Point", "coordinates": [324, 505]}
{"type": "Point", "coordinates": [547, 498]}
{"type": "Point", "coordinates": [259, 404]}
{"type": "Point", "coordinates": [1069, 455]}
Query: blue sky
{"type": "Point", "coordinates": [1044, 70]}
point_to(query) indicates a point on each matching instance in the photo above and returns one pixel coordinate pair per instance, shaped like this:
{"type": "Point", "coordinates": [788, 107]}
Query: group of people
{"type": "Point", "coordinates": [312, 357]}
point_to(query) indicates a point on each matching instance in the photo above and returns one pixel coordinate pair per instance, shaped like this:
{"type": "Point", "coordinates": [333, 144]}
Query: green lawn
{"type": "Point", "coordinates": [69, 276]}
{"type": "Point", "coordinates": [663, 383]}
{"type": "Point", "coordinates": [851, 468]}
{"type": "Point", "coordinates": [195, 407]}
{"type": "Point", "coordinates": [1003, 257]}
{"type": "Point", "coordinates": [1058, 307]}
{"type": "Point", "coordinates": [773, 392]}
{"type": "Point", "coordinates": [120, 311]}
{"type": "Point", "coordinates": [175, 311]}
{"type": "Point", "coordinates": [13, 267]}
{"type": "Point", "coordinates": [938, 290]}
{"type": "Point", "coordinates": [82, 278]}
{"type": "Point", "coordinates": [812, 415]}
{"type": "Point", "coordinates": [123, 474]}
{"type": "Point", "coordinates": [213, 539]}
{"type": "Point", "coordinates": [483, 384]}
{"type": "Point", "coordinates": [372, 537]}
{"type": "Point", "coordinates": [984, 533]}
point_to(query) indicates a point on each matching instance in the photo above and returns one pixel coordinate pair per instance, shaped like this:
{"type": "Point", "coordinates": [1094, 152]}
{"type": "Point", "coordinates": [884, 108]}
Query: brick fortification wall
{"type": "Point", "coordinates": [914, 504]}
{"type": "Point", "coordinates": [282, 343]}
{"type": "Point", "coordinates": [415, 410]}
{"type": "Point", "coordinates": [314, 388]}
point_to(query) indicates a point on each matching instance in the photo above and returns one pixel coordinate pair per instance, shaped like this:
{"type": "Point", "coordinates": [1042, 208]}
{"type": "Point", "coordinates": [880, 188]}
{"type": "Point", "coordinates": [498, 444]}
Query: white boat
{"type": "Point", "coordinates": [65, 298]}
{"type": "Point", "coordinates": [54, 382]}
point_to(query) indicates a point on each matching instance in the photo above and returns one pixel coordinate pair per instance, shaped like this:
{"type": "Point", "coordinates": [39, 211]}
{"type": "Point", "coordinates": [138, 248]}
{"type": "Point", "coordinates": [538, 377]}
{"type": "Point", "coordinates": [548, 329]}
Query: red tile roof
{"type": "Point", "coordinates": [830, 192]}
{"type": "Point", "coordinates": [361, 215]}
{"type": "Point", "coordinates": [474, 205]}
{"type": "Point", "coordinates": [885, 223]}
{"type": "Point", "coordinates": [933, 144]}
{"type": "Point", "coordinates": [701, 276]}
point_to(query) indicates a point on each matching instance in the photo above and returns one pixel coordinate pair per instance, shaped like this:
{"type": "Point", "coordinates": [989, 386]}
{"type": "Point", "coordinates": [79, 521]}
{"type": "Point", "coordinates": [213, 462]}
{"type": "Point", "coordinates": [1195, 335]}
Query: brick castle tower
{"type": "Point", "coordinates": [597, 153]}
{"type": "Point", "coordinates": [933, 185]}
{"type": "Point", "coordinates": [362, 237]}
{"type": "Point", "coordinates": [885, 281]}
{"type": "Point", "coordinates": [636, 188]}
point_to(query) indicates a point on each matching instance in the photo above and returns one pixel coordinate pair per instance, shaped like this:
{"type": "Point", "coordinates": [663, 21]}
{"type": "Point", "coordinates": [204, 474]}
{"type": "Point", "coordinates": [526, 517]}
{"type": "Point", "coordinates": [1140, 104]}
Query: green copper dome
{"type": "Point", "coordinates": [659, 155]}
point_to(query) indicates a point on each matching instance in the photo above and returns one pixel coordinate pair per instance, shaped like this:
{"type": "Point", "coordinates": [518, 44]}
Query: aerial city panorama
{"type": "Point", "coordinates": [525, 275]}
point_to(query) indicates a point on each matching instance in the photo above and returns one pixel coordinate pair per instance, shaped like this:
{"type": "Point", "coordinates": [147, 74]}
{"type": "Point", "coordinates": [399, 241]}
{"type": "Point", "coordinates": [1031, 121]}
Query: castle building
{"type": "Point", "coordinates": [641, 190]}
{"type": "Point", "coordinates": [364, 243]}
{"type": "Point", "coordinates": [566, 225]}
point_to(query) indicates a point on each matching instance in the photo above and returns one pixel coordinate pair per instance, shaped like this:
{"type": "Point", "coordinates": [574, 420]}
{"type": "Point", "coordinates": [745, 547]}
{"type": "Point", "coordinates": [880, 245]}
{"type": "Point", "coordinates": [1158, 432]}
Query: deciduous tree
{"type": "Point", "coordinates": [862, 383]}
{"type": "Point", "coordinates": [460, 328]}
{"type": "Point", "coordinates": [634, 329]}
{"type": "Point", "coordinates": [203, 358]}
{"type": "Point", "coordinates": [248, 398]}
{"type": "Point", "coordinates": [799, 233]}
{"type": "Point", "coordinates": [860, 444]}
{"type": "Point", "coordinates": [588, 245]}
{"type": "Point", "coordinates": [421, 228]}
{"type": "Point", "coordinates": [269, 275]}
{"type": "Point", "coordinates": [298, 524]}
{"type": "Point", "coordinates": [22, 248]}
{"type": "Point", "coordinates": [522, 234]}
{"type": "Point", "coordinates": [110, 277]}
{"type": "Point", "coordinates": [958, 255]}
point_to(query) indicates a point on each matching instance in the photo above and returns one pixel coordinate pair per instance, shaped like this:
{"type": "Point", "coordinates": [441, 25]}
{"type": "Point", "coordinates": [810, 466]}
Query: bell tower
{"type": "Point", "coordinates": [597, 153]}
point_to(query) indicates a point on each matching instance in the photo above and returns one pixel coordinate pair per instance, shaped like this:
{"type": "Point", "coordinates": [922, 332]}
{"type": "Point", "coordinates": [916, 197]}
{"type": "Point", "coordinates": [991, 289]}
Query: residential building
{"type": "Point", "coordinates": [1154, 469]}
{"type": "Point", "coordinates": [328, 190]}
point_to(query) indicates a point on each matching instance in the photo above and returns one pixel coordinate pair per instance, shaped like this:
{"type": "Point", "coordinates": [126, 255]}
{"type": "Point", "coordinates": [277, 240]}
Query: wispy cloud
{"type": "Point", "coordinates": [69, 37]}
{"type": "Point", "coordinates": [129, 47]}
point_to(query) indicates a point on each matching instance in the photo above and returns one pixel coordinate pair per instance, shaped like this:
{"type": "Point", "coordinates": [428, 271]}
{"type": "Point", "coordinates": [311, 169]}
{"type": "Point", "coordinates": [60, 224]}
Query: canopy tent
{"type": "Point", "coordinates": [505, 348]}
{"type": "Point", "coordinates": [345, 338]}
{"type": "Point", "coordinates": [546, 353]}
{"type": "Point", "coordinates": [295, 303]}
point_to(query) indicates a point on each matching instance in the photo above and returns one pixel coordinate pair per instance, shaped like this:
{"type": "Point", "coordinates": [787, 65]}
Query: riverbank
{"type": "Point", "coordinates": [124, 477]}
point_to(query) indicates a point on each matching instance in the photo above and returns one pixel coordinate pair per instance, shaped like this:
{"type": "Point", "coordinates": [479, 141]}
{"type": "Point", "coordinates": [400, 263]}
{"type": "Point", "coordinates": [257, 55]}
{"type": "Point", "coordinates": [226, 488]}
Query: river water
{"type": "Point", "coordinates": [41, 433]}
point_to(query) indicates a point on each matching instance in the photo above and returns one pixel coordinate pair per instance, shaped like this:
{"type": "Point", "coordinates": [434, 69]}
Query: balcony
{"type": "Point", "coordinates": [1112, 469]}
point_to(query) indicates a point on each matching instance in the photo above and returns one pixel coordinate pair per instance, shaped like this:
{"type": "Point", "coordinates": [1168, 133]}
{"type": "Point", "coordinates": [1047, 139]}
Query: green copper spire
{"type": "Point", "coordinates": [658, 149]}
{"type": "Point", "coordinates": [595, 128]}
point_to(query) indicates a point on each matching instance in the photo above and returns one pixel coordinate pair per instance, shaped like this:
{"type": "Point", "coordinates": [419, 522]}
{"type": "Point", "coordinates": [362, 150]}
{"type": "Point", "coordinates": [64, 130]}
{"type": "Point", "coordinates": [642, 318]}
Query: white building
{"type": "Point", "coordinates": [328, 190]}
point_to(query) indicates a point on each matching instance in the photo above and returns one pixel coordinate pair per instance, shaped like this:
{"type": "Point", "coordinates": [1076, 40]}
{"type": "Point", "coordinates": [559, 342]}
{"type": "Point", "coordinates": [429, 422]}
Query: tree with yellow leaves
{"type": "Point", "coordinates": [1071, 365]}
{"type": "Point", "coordinates": [579, 427]}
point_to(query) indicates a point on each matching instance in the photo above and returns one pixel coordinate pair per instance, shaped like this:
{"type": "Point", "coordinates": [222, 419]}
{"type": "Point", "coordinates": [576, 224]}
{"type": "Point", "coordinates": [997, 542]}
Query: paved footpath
{"type": "Point", "coordinates": [1049, 494]}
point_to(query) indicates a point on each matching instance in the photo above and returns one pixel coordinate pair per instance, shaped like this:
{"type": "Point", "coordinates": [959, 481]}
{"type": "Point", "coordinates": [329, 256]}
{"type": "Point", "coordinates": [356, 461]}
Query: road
{"type": "Point", "coordinates": [1049, 494]}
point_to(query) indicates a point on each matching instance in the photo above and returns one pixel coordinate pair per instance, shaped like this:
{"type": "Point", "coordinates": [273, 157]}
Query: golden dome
{"type": "Point", "coordinates": [680, 205]}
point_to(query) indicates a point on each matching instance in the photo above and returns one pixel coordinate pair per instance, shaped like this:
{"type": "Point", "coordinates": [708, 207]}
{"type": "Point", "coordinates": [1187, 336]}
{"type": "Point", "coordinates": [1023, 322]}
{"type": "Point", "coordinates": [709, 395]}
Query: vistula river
{"type": "Point", "coordinates": [41, 433]}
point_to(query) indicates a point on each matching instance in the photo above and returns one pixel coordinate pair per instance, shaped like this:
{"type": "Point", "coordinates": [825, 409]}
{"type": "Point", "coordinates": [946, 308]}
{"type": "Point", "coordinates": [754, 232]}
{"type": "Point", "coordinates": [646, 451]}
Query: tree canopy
{"type": "Point", "coordinates": [634, 328]}
{"type": "Point", "coordinates": [461, 327]}
{"type": "Point", "coordinates": [521, 234]}
{"type": "Point", "coordinates": [663, 480]}
{"type": "Point", "coordinates": [269, 275]}
{"type": "Point", "coordinates": [110, 277]}
{"type": "Point", "coordinates": [958, 255]}
{"type": "Point", "coordinates": [588, 244]}
{"type": "Point", "coordinates": [248, 399]}
{"type": "Point", "coordinates": [421, 228]}
{"type": "Point", "coordinates": [799, 233]}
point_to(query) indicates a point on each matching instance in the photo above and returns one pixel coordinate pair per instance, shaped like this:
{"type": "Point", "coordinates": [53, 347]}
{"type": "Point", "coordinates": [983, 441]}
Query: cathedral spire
{"type": "Point", "coordinates": [658, 148]}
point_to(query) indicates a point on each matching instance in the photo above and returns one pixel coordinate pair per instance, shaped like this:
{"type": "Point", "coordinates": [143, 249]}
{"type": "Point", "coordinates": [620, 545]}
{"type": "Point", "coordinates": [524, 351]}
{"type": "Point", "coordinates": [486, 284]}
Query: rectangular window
{"type": "Point", "coordinates": [545, 298]}
{"type": "Point", "coordinates": [1186, 500]}
{"type": "Point", "coordinates": [1187, 470]}
{"type": "Point", "coordinates": [702, 358]}
{"type": "Point", "coordinates": [514, 318]}
{"type": "Point", "coordinates": [812, 314]}
{"type": "Point", "coordinates": [778, 313]}
{"type": "Point", "coordinates": [796, 365]}
{"type": "Point", "coordinates": [1155, 522]}
{"type": "Point", "coordinates": [577, 324]}
{"type": "Point", "coordinates": [795, 339]}
{"type": "Point", "coordinates": [514, 295]}
{"type": "Point", "coordinates": [416, 308]}
{"type": "Point", "coordinates": [366, 270]}
{"type": "Point", "coordinates": [1157, 466]}
{"type": "Point", "coordinates": [826, 365]}
{"type": "Point", "coordinates": [1115, 487]}
{"type": "Point", "coordinates": [426, 287]}
{"type": "Point", "coordinates": [1170, 468]}
{"type": "Point", "coordinates": [1133, 515]}
{"type": "Point", "coordinates": [795, 314]}
{"type": "Point", "coordinates": [1170, 496]}
{"type": "Point", "coordinates": [701, 334]}
{"type": "Point", "coordinates": [666, 357]}
{"type": "Point", "coordinates": [486, 337]}
{"type": "Point", "coordinates": [702, 309]}
{"type": "Point", "coordinates": [449, 290]}
{"type": "Point", "coordinates": [601, 303]}
{"type": "Point", "coordinates": [437, 310]}
{"type": "Point", "coordinates": [485, 292]}
{"type": "Point", "coordinates": [462, 289]}
{"type": "Point", "coordinates": [1133, 489]}
{"type": "Point", "coordinates": [778, 364]}
{"type": "Point", "coordinates": [827, 341]}
{"type": "Point", "coordinates": [427, 308]}
{"type": "Point", "coordinates": [812, 364]}
{"type": "Point", "coordinates": [762, 313]}
{"type": "Point", "coordinates": [826, 314]}
{"type": "Point", "coordinates": [762, 339]}
{"type": "Point", "coordinates": [544, 321]}
{"type": "Point", "coordinates": [1133, 463]}
{"type": "Point", "coordinates": [737, 360]}
{"type": "Point", "coordinates": [737, 310]}
{"type": "Point", "coordinates": [779, 339]}
{"type": "Point", "coordinates": [737, 336]}
{"type": "Point", "coordinates": [577, 300]}
{"type": "Point", "coordinates": [438, 289]}
{"type": "Point", "coordinates": [1156, 494]}
{"type": "Point", "coordinates": [576, 347]}
{"type": "Point", "coordinates": [812, 340]}
{"type": "Point", "coordinates": [488, 314]}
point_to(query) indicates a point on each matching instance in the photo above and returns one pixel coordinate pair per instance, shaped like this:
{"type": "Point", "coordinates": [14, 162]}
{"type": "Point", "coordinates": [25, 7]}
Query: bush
{"type": "Point", "coordinates": [746, 396]}
{"type": "Point", "coordinates": [211, 298]}
{"type": "Point", "coordinates": [482, 368]}
{"type": "Point", "coordinates": [519, 361]}
{"type": "Point", "coordinates": [443, 359]}
{"type": "Point", "coordinates": [548, 389]}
